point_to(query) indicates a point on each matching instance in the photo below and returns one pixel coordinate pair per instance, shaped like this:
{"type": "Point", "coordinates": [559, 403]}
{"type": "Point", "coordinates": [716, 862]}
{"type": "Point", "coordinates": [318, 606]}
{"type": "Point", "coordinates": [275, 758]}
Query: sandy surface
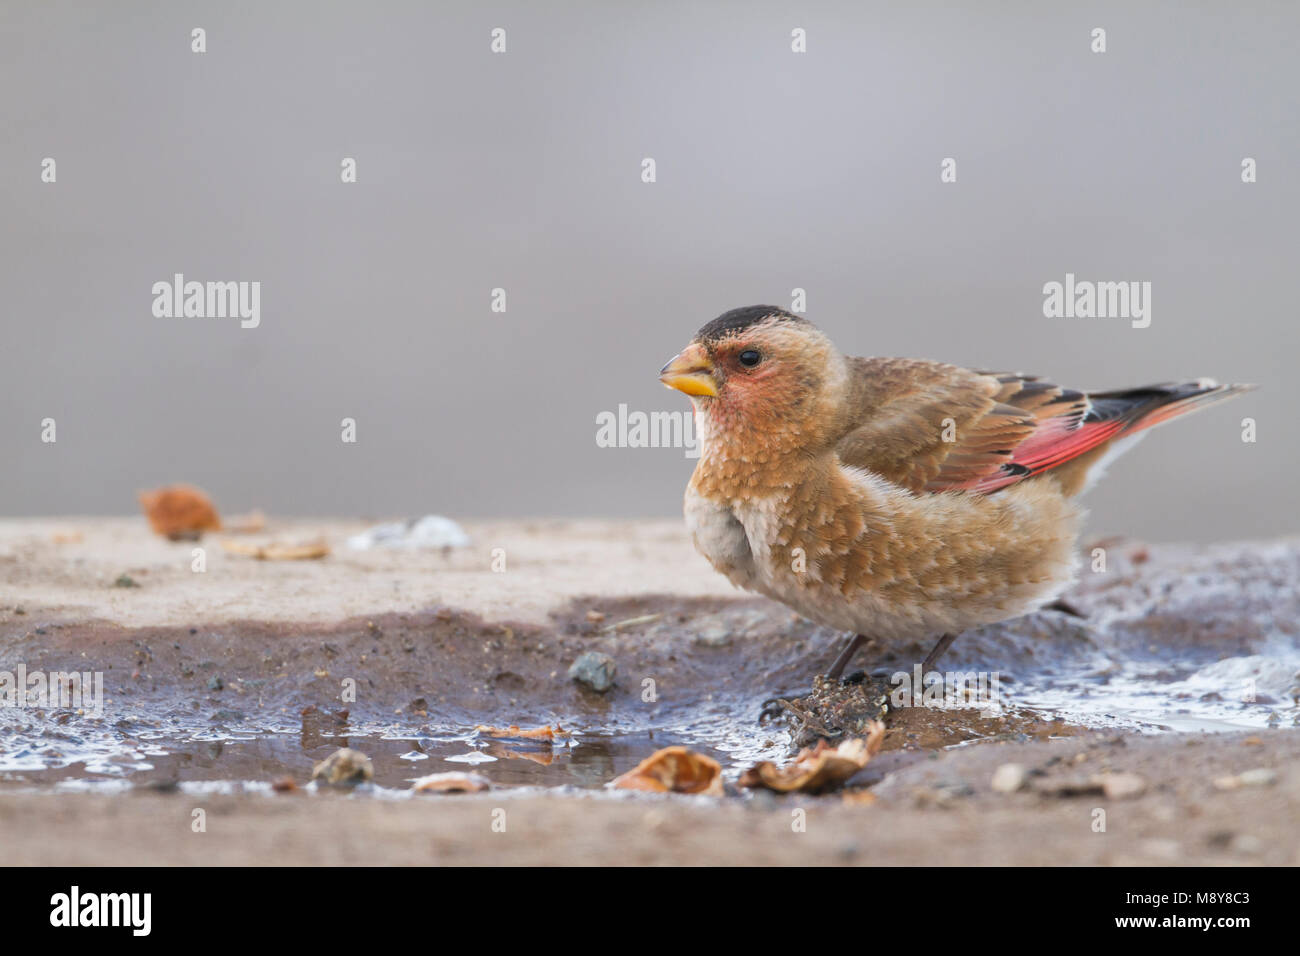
{"type": "Point", "coordinates": [939, 811]}
{"type": "Point", "coordinates": [479, 645]}
{"type": "Point", "coordinates": [67, 567]}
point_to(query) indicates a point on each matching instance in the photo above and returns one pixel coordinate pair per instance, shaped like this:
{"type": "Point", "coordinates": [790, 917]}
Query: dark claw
{"type": "Point", "coordinates": [774, 707]}
{"type": "Point", "coordinates": [795, 696]}
{"type": "Point", "coordinates": [1065, 607]}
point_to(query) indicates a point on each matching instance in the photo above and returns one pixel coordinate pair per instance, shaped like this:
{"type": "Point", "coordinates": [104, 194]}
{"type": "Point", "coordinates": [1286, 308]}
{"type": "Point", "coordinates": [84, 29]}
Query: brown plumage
{"type": "Point", "coordinates": [895, 498]}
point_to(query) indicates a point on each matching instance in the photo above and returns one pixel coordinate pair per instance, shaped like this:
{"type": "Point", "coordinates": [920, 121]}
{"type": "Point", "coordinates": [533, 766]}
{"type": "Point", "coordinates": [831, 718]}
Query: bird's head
{"type": "Point", "coordinates": [760, 372]}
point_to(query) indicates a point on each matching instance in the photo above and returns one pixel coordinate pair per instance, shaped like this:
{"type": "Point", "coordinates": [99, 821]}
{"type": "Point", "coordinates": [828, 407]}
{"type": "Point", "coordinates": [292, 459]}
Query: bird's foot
{"type": "Point", "coordinates": [775, 707]}
{"type": "Point", "coordinates": [808, 722]}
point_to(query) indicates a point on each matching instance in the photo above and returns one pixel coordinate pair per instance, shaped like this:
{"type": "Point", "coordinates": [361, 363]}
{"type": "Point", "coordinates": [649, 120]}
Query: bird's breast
{"type": "Point", "coordinates": [721, 537]}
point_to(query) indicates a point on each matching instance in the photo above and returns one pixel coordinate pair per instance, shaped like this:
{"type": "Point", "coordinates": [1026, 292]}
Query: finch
{"type": "Point", "coordinates": [897, 499]}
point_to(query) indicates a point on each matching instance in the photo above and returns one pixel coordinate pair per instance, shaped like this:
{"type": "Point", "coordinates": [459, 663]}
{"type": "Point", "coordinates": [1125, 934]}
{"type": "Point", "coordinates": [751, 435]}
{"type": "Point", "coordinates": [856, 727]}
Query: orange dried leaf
{"type": "Point", "coordinates": [515, 732]}
{"type": "Point", "coordinates": [674, 770]}
{"type": "Point", "coordinates": [817, 768]}
{"type": "Point", "coordinates": [179, 511]}
{"type": "Point", "coordinates": [451, 782]}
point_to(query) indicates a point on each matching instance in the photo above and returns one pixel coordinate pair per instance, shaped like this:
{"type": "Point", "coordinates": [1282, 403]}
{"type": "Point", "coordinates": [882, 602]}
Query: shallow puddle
{"type": "Point", "coordinates": [123, 749]}
{"type": "Point", "coordinates": [244, 706]}
{"type": "Point", "coordinates": [96, 754]}
{"type": "Point", "coordinates": [1237, 693]}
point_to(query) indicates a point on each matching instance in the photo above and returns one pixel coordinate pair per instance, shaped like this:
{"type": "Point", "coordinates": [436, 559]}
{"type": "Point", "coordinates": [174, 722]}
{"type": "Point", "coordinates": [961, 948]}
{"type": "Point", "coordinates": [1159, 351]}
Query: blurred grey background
{"type": "Point", "coordinates": [522, 170]}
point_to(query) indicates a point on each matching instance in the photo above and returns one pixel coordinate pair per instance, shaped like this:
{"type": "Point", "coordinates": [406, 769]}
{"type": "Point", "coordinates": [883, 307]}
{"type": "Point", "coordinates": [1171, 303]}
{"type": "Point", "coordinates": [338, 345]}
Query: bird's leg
{"type": "Point", "coordinates": [846, 655]}
{"type": "Point", "coordinates": [932, 658]}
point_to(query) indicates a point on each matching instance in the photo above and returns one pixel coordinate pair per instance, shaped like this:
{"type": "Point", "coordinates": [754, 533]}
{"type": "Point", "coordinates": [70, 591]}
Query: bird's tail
{"type": "Point", "coordinates": [1138, 409]}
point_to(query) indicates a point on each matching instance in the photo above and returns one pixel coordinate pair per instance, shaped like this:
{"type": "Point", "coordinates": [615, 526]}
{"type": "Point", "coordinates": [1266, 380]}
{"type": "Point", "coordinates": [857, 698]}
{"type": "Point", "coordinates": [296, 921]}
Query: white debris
{"type": "Point", "coordinates": [1121, 786]}
{"type": "Point", "coordinates": [431, 531]}
{"type": "Point", "coordinates": [1259, 777]}
{"type": "Point", "coordinates": [1009, 778]}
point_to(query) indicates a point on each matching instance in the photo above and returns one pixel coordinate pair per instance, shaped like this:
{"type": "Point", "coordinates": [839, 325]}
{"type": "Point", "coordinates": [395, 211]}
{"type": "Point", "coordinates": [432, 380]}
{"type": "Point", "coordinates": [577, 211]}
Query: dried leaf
{"type": "Point", "coordinates": [818, 768]}
{"type": "Point", "coordinates": [278, 552]}
{"type": "Point", "coordinates": [674, 770]}
{"type": "Point", "coordinates": [179, 511]}
{"type": "Point", "coordinates": [451, 782]}
{"type": "Point", "coordinates": [514, 732]}
{"type": "Point", "coordinates": [630, 622]}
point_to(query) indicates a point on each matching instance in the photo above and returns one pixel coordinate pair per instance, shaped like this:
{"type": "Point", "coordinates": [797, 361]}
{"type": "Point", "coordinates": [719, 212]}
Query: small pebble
{"type": "Point", "coordinates": [1259, 777]}
{"type": "Point", "coordinates": [1247, 844]}
{"type": "Point", "coordinates": [715, 636]}
{"type": "Point", "coordinates": [1009, 778]}
{"type": "Point", "coordinates": [1120, 786]}
{"type": "Point", "coordinates": [344, 767]}
{"type": "Point", "coordinates": [594, 669]}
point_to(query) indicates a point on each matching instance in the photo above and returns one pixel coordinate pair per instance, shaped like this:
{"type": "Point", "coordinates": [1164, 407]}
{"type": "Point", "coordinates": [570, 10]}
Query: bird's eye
{"type": "Point", "coordinates": [750, 357]}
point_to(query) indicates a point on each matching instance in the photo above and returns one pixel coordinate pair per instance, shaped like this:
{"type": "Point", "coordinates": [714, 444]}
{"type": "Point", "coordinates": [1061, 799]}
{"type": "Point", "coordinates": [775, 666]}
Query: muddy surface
{"type": "Point", "coordinates": [1184, 670]}
{"type": "Point", "coordinates": [939, 810]}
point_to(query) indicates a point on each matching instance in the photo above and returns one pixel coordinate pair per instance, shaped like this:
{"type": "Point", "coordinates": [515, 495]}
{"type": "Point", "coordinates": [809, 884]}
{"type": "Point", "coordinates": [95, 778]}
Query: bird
{"type": "Point", "coordinates": [896, 499]}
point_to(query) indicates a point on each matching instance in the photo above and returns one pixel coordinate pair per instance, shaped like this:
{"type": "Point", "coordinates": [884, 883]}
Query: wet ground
{"type": "Point", "coordinates": [247, 704]}
{"type": "Point", "coordinates": [1172, 646]}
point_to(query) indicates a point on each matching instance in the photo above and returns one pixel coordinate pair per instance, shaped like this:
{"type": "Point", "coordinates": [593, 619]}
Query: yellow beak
{"type": "Point", "coordinates": [690, 371]}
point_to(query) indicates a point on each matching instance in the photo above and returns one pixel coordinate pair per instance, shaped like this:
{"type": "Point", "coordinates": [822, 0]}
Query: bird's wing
{"type": "Point", "coordinates": [931, 427]}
